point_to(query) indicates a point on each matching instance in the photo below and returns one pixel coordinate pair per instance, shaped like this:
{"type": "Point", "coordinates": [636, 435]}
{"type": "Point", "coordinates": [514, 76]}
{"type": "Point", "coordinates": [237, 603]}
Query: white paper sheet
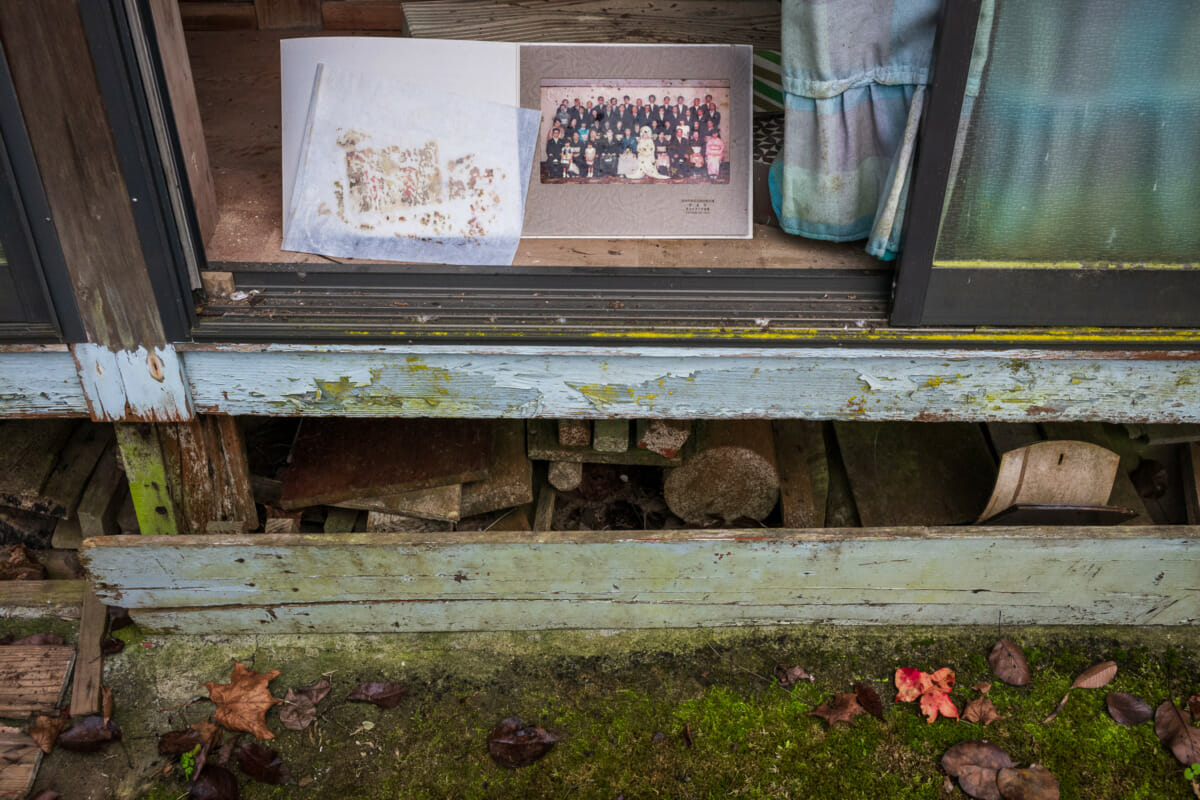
{"type": "Point", "coordinates": [401, 172]}
{"type": "Point", "coordinates": [481, 70]}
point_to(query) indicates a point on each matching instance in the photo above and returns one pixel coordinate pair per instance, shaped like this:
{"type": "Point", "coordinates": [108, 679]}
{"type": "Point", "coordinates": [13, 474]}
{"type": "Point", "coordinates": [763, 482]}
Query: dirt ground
{"type": "Point", "coordinates": [679, 714]}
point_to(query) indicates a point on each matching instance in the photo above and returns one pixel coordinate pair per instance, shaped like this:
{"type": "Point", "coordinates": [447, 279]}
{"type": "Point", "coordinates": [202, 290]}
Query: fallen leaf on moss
{"type": "Point", "coordinates": [513, 744]}
{"type": "Point", "coordinates": [868, 698]}
{"type": "Point", "coordinates": [981, 709]}
{"type": "Point", "coordinates": [1033, 783]}
{"type": "Point", "coordinates": [1128, 709]}
{"type": "Point", "coordinates": [174, 743]}
{"type": "Point", "coordinates": [842, 708]}
{"type": "Point", "coordinates": [1008, 662]}
{"type": "Point", "coordinates": [214, 783]}
{"type": "Point", "coordinates": [1194, 705]}
{"type": "Point", "coordinates": [975, 764]}
{"type": "Point", "coordinates": [262, 763]}
{"type": "Point", "coordinates": [300, 705]}
{"type": "Point", "coordinates": [243, 703]}
{"type": "Point", "coordinates": [789, 676]}
{"type": "Point", "coordinates": [384, 695]}
{"type": "Point", "coordinates": [45, 730]}
{"type": "Point", "coordinates": [911, 683]}
{"type": "Point", "coordinates": [1093, 677]}
{"type": "Point", "coordinates": [979, 782]}
{"type": "Point", "coordinates": [89, 734]}
{"type": "Point", "coordinates": [934, 703]}
{"type": "Point", "coordinates": [1174, 728]}
{"type": "Point", "coordinates": [111, 645]}
{"type": "Point", "coordinates": [983, 687]}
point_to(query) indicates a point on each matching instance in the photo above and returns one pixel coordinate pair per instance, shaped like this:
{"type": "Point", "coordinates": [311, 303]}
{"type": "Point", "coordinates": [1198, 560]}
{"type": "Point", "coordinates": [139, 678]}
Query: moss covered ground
{"type": "Point", "coordinates": [622, 702]}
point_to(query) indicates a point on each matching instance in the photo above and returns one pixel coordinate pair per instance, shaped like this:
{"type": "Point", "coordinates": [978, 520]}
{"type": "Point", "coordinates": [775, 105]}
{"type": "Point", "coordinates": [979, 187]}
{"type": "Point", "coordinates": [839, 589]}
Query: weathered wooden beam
{"type": "Point", "coordinates": [89, 661]}
{"type": "Point", "coordinates": [481, 580]}
{"type": "Point", "coordinates": [288, 14]}
{"type": "Point", "coordinates": [145, 468]}
{"type": "Point", "coordinates": [40, 382]}
{"type": "Point", "coordinates": [362, 15]}
{"type": "Point", "coordinates": [561, 382]}
{"type": "Point", "coordinates": [39, 599]}
{"type": "Point", "coordinates": [218, 16]}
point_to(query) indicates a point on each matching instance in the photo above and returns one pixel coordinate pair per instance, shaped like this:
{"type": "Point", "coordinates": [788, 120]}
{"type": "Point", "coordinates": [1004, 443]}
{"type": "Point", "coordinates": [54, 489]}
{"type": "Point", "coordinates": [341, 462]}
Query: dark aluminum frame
{"type": "Point", "coordinates": [926, 295]}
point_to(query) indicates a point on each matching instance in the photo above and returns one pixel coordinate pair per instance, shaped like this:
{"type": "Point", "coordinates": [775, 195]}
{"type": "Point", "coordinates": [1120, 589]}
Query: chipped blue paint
{"type": "Point", "coordinates": [133, 385]}
{"type": "Point", "coordinates": [40, 383]}
{"type": "Point", "coordinates": [935, 384]}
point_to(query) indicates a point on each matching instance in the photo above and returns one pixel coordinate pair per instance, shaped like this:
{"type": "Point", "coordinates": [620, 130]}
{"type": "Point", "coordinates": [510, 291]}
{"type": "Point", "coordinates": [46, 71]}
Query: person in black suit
{"type": "Point", "coordinates": [660, 122]}
{"type": "Point", "coordinates": [714, 115]}
{"type": "Point", "coordinates": [554, 149]}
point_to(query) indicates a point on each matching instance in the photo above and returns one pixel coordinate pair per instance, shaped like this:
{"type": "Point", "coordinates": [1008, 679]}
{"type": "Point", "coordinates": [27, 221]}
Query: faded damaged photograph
{"type": "Point", "coordinates": [634, 131]}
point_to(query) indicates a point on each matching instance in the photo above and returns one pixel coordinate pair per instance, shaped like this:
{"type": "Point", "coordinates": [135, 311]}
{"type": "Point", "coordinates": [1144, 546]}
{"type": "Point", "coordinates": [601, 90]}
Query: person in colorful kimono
{"type": "Point", "coordinates": [714, 153]}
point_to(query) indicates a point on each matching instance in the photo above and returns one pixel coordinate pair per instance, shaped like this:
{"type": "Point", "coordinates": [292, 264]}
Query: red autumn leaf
{"type": "Point", "coordinates": [243, 703]}
{"type": "Point", "coordinates": [934, 703]}
{"type": "Point", "coordinates": [911, 683]}
{"type": "Point", "coordinates": [943, 680]}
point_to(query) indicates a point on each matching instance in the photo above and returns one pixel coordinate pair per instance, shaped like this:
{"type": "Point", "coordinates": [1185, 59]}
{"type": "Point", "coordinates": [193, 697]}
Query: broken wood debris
{"type": "Point", "coordinates": [663, 436]}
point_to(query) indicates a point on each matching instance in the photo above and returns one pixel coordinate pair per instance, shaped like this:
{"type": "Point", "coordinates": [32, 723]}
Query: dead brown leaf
{"type": "Point", "coordinates": [214, 783]}
{"type": "Point", "coordinates": [981, 709]}
{"type": "Point", "coordinates": [89, 734]}
{"type": "Point", "coordinates": [300, 705]}
{"type": "Point", "coordinates": [513, 744]}
{"type": "Point", "coordinates": [1008, 662]}
{"type": "Point", "coordinates": [243, 703]}
{"type": "Point", "coordinates": [974, 752]}
{"type": "Point", "coordinates": [1174, 728]}
{"type": "Point", "coordinates": [983, 687]}
{"type": "Point", "coordinates": [1128, 709]}
{"type": "Point", "coordinates": [979, 782]}
{"type": "Point", "coordinates": [1034, 783]}
{"type": "Point", "coordinates": [868, 698]}
{"type": "Point", "coordinates": [789, 676]}
{"type": "Point", "coordinates": [1096, 676]}
{"type": "Point", "coordinates": [45, 730]}
{"type": "Point", "coordinates": [842, 708]}
{"type": "Point", "coordinates": [106, 702]}
{"type": "Point", "coordinates": [1194, 705]}
{"type": "Point", "coordinates": [262, 763]}
{"type": "Point", "coordinates": [384, 695]}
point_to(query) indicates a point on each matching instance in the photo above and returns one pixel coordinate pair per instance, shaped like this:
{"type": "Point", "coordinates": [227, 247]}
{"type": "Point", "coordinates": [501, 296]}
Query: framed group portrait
{"type": "Point", "coordinates": [639, 140]}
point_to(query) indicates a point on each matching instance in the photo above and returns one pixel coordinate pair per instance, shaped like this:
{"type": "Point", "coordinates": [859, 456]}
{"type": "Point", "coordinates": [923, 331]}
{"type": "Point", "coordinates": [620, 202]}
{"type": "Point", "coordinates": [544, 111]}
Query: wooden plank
{"type": "Point", "coordinates": [755, 22]}
{"type": "Point", "coordinates": [642, 381]}
{"type": "Point", "coordinates": [107, 488]}
{"type": "Point", "coordinates": [1191, 482]}
{"type": "Point", "coordinates": [145, 468]}
{"type": "Point", "coordinates": [227, 447]}
{"type": "Point", "coordinates": [1124, 493]}
{"type": "Point", "coordinates": [89, 661]}
{"type": "Point", "coordinates": [510, 473]}
{"type": "Point", "coordinates": [20, 757]}
{"type": "Point", "coordinates": [288, 14]}
{"type": "Point", "coordinates": [481, 580]}
{"type": "Point", "coordinates": [362, 15]}
{"type": "Point", "coordinates": [542, 445]}
{"type": "Point", "coordinates": [543, 517]}
{"type": "Point", "coordinates": [64, 488]}
{"type": "Point", "coordinates": [218, 16]}
{"type": "Point", "coordinates": [438, 502]}
{"type": "Point", "coordinates": [41, 599]}
{"type": "Point", "coordinates": [56, 83]}
{"type": "Point", "coordinates": [40, 384]}
{"type": "Point", "coordinates": [29, 449]}
{"type": "Point", "coordinates": [32, 678]}
{"type": "Point", "coordinates": [914, 473]}
{"type": "Point", "coordinates": [335, 460]}
{"type": "Point", "coordinates": [803, 473]}
{"type": "Point", "coordinates": [380, 522]}
{"type": "Point", "coordinates": [340, 520]}
{"type": "Point", "coordinates": [177, 69]}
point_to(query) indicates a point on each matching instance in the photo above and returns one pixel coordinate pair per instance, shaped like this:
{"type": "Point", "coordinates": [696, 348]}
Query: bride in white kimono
{"type": "Point", "coordinates": [645, 166]}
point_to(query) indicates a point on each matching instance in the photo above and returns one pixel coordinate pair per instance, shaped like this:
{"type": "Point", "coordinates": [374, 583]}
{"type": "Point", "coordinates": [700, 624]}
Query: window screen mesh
{"type": "Point", "coordinates": [1079, 141]}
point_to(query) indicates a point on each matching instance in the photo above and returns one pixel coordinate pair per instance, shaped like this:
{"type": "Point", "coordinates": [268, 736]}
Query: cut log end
{"type": "Point", "coordinates": [721, 485]}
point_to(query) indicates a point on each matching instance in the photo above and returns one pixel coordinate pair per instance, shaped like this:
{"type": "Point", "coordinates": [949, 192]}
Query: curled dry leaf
{"type": "Point", "coordinates": [1034, 783]}
{"type": "Point", "coordinates": [977, 753]}
{"type": "Point", "coordinates": [214, 783]}
{"type": "Point", "coordinates": [934, 703]}
{"type": "Point", "coordinates": [1008, 662]}
{"type": "Point", "coordinates": [243, 703]}
{"type": "Point", "coordinates": [1093, 677]}
{"type": "Point", "coordinates": [111, 645]}
{"type": "Point", "coordinates": [262, 763]}
{"type": "Point", "coordinates": [384, 695]}
{"type": "Point", "coordinates": [789, 676]}
{"type": "Point", "coordinates": [1173, 726]}
{"type": "Point", "coordinates": [983, 687]}
{"type": "Point", "coordinates": [175, 743]}
{"type": "Point", "coordinates": [1194, 705]}
{"type": "Point", "coordinates": [513, 744]}
{"type": "Point", "coordinates": [106, 702]}
{"type": "Point", "coordinates": [300, 705]}
{"type": "Point", "coordinates": [89, 734]}
{"type": "Point", "coordinates": [1127, 709]}
{"type": "Point", "coordinates": [868, 698]}
{"type": "Point", "coordinates": [981, 709]}
{"type": "Point", "coordinates": [842, 708]}
{"type": "Point", "coordinates": [1096, 676]}
{"type": "Point", "coordinates": [45, 730]}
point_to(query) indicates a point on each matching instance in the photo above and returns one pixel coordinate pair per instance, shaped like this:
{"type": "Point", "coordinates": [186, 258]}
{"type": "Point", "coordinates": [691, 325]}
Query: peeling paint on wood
{"type": "Point", "coordinates": [480, 581]}
{"type": "Point", "coordinates": [40, 383]}
{"type": "Point", "coordinates": [134, 385]}
{"type": "Point", "coordinates": [549, 382]}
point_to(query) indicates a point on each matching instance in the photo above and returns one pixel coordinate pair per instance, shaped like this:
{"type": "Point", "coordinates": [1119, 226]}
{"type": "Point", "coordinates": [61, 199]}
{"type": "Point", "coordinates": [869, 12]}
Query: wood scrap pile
{"type": "Point", "coordinates": [60, 482]}
{"type": "Point", "coordinates": [403, 475]}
